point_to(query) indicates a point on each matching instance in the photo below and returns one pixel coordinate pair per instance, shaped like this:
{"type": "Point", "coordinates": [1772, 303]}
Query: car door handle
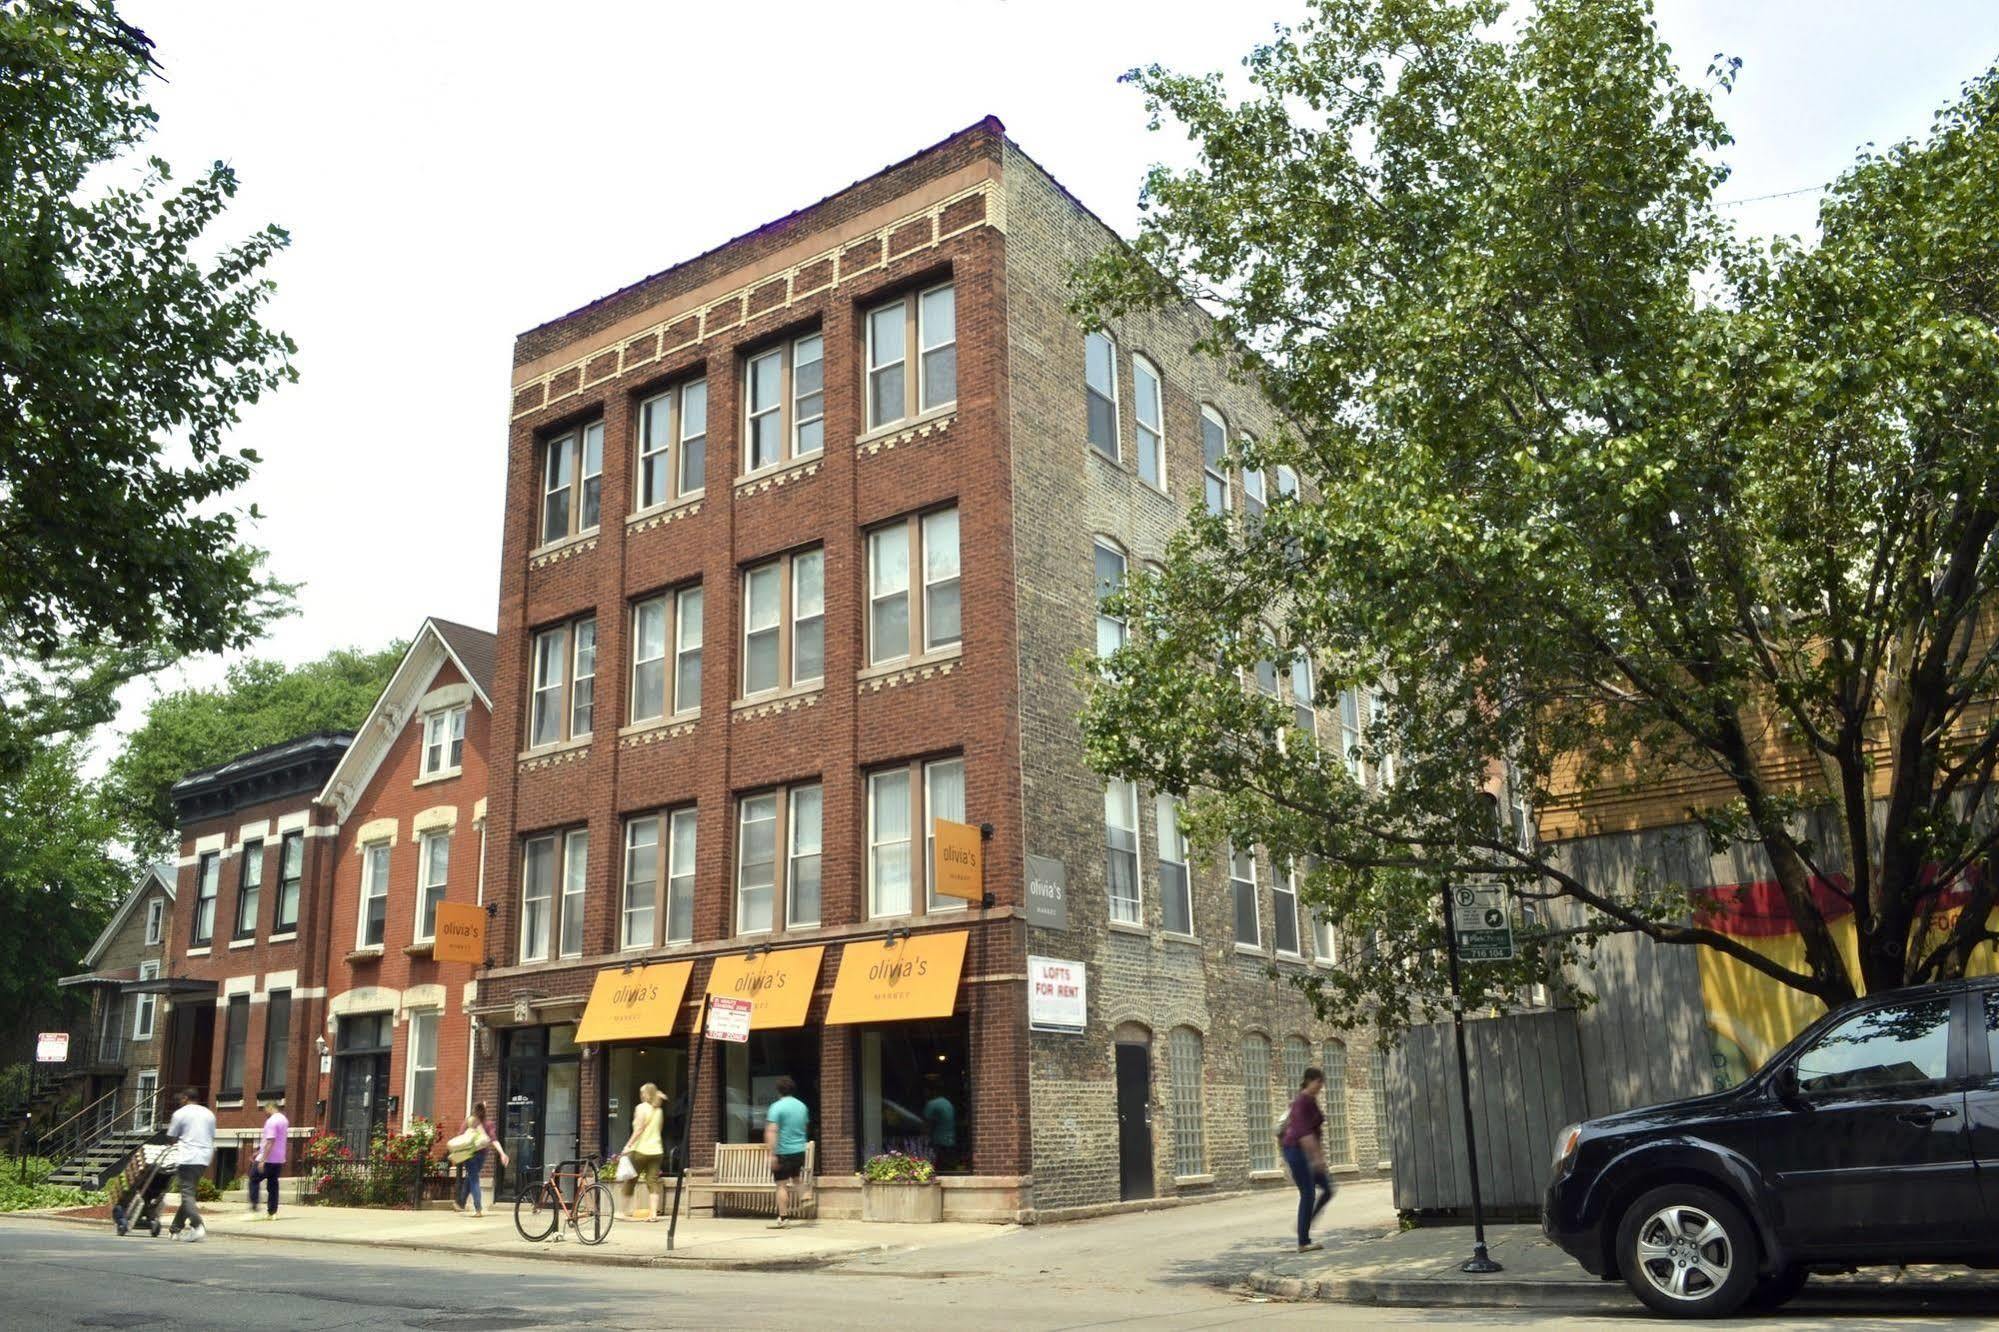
{"type": "Point", "coordinates": [1926, 1116]}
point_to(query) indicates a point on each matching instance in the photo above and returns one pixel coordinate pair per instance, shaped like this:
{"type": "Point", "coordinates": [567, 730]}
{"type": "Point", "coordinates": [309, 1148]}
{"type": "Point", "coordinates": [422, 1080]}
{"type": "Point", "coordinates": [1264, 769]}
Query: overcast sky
{"type": "Point", "coordinates": [454, 174]}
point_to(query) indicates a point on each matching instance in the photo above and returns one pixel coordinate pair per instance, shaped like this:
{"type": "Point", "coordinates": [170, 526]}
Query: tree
{"type": "Point", "coordinates": [260, 703]}
{"type": "Point", "coordinates": [1596, 492]}
{"type": "Point", "coordinates": [125, 358]}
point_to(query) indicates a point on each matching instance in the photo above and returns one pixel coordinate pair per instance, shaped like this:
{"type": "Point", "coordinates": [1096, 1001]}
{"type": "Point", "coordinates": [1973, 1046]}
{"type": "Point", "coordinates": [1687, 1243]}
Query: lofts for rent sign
{"type": "Point", "coordinates": [1057, 995]}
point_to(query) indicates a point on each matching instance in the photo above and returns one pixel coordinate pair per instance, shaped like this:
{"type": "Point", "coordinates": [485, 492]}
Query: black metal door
{"type": "Point", "coordinates": [360, 1099]}
{"type": "Point", "coordinates": [1134, 1121]}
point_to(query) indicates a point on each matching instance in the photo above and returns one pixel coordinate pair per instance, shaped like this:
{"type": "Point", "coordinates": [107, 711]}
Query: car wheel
{"type": "Point", "coordinates": [1687, 1252]}
{"type": "Point", "coordinates": [1778, 1288]}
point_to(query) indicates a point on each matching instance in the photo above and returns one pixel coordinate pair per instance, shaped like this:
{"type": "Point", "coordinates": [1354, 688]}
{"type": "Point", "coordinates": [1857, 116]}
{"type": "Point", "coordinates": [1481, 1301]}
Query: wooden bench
{"type": "Point", "coordinates": [742, 1181]}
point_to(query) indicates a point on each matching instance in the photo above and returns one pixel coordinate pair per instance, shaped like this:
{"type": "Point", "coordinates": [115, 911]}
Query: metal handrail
{"type": "Point", "coordinates": [75, 1136]}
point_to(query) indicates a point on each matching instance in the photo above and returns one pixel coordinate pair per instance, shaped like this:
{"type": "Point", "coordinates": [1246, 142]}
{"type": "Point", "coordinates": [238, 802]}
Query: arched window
{"type": "Point", "coordinates": [1339, 1143]}
{"type": "Point", "coordinates": [1214, 460]}
{"type": "Point", "coordinates": [1183, 1062]}
{"type": "Point", "coordinates": [1297, 1058]}
{"type": "Point", "coordinates": [1256, 1102]}
{"type": "Point", "coordinates": [1100, 388]}
{"type": "Point", "coordinates": [1109, 575]}
{"type": "Point", "coordinates": [1151, 422]}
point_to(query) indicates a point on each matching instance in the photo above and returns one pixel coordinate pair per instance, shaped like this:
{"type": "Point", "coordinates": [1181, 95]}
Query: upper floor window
{"type": "Point", "coordinates": [784, 623]}
{"type": "Point", "coordinates": [663, 627]}
{"type": "Point", "coordinates": [572, 483]}
{"type": "Point", "coordinates": [785, 403]}
{"type": "Point", "coordinates": [1151, 415]}
{"type": "Point", "coordinates": [1214, 460]}
{"type": "Point", "coordinates": [444, 741]}
{"type": "Point", "coordinates": [673, 444]}
{"type": "Point", "coordinates": [1284, 910]}
{"type": "Point", "coordinates": [900, 623]}
{"type": "Point", "coordinates": [777, 859]}
{"type": "Point", "coordinates": [643, 879]}
{"type": "Point", "coordinates": [372, 923]}
{"type": "Point", "coordinates": [1121, 851]}
{"type": "Point", "coordinates": [156, 917]}
{"type": "Point", "coordinates": [563, 683]}
{"type": "Point", "coordinates": [1242, 897]}
{"type": "Point", "coordinates": [1110, 567]}
{"type": "Point", "coordinates": [249, 889]}
{"type": "Point", "coordinates": [902, 800]}
{"type": "Point", "coordinates": [433, 868]}
{"type": "Point", "coordinates": [1100, 388]}
{"type": "Point", "coordinates": [207, 884]}
{"type": "Point", "coordinates": [1176, 899]}
{"type": "Point", "coordinates": [1255, 499]}
{"type": "Point", "coordinates": [1304, 712]}
{"type": "Point", "coordinates": [1287, 482]}
{"type": "Point", "coordinates": [291, 877]}
{"type": "Point", "coordinates": [1350, 730]}
{"type": "Point", "coordinates": [147, 1007]}
{"type": "Point", "coordinates": [554, 867]}
{"type": "Point", "coordinates": [928, 322]}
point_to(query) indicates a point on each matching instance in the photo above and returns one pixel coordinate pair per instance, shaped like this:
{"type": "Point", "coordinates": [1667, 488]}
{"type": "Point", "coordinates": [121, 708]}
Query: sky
{"type": "Point", "coordinates": [453, 174]}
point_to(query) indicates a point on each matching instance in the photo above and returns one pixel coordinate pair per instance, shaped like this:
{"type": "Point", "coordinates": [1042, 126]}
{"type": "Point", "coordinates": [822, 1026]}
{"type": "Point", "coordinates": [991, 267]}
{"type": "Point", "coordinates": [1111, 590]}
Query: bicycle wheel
{"type": "Point", "coordinates": [537, 1212]}
{"type": "Point", "coordinates": [595, 1210]}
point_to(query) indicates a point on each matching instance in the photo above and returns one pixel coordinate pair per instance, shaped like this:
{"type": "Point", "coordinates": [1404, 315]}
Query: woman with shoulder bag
{"type": "Point", "coordinates": [1301, 1138]}
{"type": "Point", "coordinates": [645, 1152]}
{"type": "Point", "coordinates": [468, 1153]}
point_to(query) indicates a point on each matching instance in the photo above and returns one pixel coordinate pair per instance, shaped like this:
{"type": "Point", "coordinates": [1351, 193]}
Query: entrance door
{"type": "Point", "coordinates": [361, 1080]}
{"type": "Point", "coordinates": [1134, 1121]}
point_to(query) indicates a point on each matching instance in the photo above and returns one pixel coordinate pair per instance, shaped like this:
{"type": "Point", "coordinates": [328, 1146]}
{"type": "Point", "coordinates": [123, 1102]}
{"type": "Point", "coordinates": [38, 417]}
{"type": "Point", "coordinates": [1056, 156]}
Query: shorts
{"type": "Point", "coordinates": [647, 1166]}
{"type": "Point", "coordinates": [789, 1166]}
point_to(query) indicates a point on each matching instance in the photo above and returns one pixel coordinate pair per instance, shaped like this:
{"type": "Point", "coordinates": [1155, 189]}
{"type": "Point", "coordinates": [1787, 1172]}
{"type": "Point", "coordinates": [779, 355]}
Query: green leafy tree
{"type": "Point", "coordinates": [1597, 493]}
{"type": "Point", "coordinates": [260, 703]}
{"type": "Point", "coordinates": [130, 342]}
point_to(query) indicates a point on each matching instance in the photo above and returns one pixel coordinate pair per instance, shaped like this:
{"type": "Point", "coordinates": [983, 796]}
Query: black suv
{"type": "Point", "coordinates": [1871, 1138]}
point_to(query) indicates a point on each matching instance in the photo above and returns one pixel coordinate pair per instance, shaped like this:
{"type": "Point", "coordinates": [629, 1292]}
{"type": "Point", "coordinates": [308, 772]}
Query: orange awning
{"type": "Point", "coordinates": [915, 977]}
{"type": "Point", "coordinates": [778, 985]}
{"type": "Point", "coordinates": [634, 1005]}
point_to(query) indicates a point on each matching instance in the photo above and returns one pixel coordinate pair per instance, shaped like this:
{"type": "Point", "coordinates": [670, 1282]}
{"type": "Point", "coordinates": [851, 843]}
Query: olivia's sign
{"type": "Point", "coordinates": [635, 1005]}
{"type": "Point", "coordinates": [461, 933]}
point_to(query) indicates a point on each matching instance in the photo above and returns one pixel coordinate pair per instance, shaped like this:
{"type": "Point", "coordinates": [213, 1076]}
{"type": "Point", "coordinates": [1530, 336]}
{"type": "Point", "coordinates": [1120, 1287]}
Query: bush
{"type": "Point", "coordinates": [18, 1197]}
{"type": "Point", "coordinates": [898, 1168]}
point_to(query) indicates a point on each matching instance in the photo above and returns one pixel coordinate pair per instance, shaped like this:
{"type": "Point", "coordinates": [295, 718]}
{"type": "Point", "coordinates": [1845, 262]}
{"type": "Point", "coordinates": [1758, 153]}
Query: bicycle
{"type": "Point", "coordinates": [586, 1208]}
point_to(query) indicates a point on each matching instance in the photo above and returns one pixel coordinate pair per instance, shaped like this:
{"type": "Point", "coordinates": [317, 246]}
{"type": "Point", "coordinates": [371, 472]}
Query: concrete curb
{"type": "Point", "coordinates": [1591, 1296]}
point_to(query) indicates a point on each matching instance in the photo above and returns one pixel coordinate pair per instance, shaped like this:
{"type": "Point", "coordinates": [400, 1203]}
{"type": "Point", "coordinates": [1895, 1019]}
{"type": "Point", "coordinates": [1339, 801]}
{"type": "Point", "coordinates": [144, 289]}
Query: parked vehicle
{"type": "Point", "coordinates": [1872, 1138]}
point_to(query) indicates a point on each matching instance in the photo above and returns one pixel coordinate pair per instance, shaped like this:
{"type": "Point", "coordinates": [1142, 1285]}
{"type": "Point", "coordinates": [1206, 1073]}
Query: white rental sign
{"type": "Point", "coordinates": [52, 1047]}
{"type": "Point", "coordinates": [1057, 995]}
{"type": "Point", "coordinates": [728, 1019]}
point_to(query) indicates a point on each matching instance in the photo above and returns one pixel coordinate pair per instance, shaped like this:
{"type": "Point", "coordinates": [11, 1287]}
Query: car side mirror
{"type": "Point", "coordinates": [1786, 1085]}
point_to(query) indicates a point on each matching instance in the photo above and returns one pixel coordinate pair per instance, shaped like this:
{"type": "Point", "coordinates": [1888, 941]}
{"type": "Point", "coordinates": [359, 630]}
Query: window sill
{"type": "Point", "coordinates": [795, 468]}
{"type": "Point", "coordinates": [286, 937]}
{"type": "Point", "coordinates": [659, 514]}
{"type": "Point", "coordinates": [1251, 950]}
{"type": "Point", "coordinates": [901, 424]}
{"type": "Point", "coordinates": [781, 698]}
{"type": "Point", "coordinates": [250, 942]}
{"type": "Point", "coordinates": [1264, 1176]}
{"type": "Point", "coordinates": [1192, 1181]}
{"type": "Point", "coordinates": [568, 543]}
{"type": "Point", "coordinates": [361, 955]}
{"type": "Point", "coordinates": [900, 664]}
{"type": "Point", "coordinates": [652, 724]}
{"type": "Point", "coordinates": [556, 747]}
{"type": "Point", "coordinates": [229, 1100]}
{"type": "Point", "coordinates": [1126, 927]}
{"type": "Point", "coordinates": [1296, 959]}
{"type": "Point", "coordinates": [1170, 937]}
{"type": "Point", "coordinates": [422, 948]}
{"type": "Point", "coordinates": [441, 775]}
{"type": "Point", "coordinates": [199, 950]}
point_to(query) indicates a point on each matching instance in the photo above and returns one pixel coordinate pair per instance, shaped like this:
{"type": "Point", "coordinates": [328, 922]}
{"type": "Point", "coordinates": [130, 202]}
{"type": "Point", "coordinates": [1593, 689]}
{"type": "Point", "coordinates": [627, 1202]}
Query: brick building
{"type": "Point", "coordinates": [802, 538]}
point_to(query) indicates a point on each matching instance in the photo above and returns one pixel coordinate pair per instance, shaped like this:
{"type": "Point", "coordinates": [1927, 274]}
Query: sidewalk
{"type": "Point", "coordinates": [702, 1241]}
{"type": "Point", "coordinates": [1419, 1268]}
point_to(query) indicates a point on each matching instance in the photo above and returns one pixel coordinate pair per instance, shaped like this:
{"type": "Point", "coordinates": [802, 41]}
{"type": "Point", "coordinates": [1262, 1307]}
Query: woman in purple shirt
{"type": "Point", "coordinates": [1303, 1142]}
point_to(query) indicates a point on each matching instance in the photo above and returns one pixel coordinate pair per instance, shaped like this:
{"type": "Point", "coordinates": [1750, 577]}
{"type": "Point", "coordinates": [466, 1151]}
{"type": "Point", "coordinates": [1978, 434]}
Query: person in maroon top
{"type": "Point", "coordinates": [1303, 1141]}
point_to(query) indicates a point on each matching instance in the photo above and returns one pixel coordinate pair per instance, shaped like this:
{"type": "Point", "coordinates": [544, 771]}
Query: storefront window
{"type": "Point", "coordinates": [630, 1067]}
{"type": "Point", "coordinates": [914, 1081]}
{"type": "Point", "coordinates": [749, 1080]}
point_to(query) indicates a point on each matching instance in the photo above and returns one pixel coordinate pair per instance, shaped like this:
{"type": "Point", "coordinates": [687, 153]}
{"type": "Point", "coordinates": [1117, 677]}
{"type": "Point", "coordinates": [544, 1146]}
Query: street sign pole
{"type": "Point", "coordinates": [687, 1125]}
{"type": "Point", "coordinates": [1480, 1260]}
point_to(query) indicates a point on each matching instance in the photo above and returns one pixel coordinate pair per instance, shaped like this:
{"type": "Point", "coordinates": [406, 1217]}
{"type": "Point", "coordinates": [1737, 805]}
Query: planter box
{"type": "Point", "coordinates": [901, 1202]}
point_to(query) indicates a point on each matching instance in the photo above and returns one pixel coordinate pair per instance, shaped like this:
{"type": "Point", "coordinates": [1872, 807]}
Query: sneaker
{"type": "Point", "coordinates": [1313, 1247]}
{"type": "Point", "coordinates": [196, 1234]}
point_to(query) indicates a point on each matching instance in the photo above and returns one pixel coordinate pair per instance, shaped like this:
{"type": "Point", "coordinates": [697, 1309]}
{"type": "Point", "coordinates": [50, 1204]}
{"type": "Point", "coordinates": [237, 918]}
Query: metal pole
{"type": "Point", "coordinates": [1480, 1260]}
{"type": "Point", "coordinates": [687, 1124]}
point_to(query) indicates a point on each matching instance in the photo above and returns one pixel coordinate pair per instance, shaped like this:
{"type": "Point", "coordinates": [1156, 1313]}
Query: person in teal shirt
{"type": "Point", "coordinates": [784, 1135]}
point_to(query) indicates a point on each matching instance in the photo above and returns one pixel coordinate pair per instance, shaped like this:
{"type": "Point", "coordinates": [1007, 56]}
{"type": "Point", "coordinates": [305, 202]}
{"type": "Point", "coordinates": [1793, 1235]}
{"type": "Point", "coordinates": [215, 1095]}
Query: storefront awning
{"type": "Point", "coordinates": [914, 977]}
{"type": "Point", "coordinates": [778, 985]}
{"type": "Point", "coordinates": [635, 1005]}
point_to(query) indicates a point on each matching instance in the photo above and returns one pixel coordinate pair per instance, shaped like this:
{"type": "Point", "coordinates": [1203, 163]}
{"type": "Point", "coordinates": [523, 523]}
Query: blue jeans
{"type": "Point", "coordinates": [1310, 1180]}
{"type": "Point", "coordinates": [267, 1174]}
{"type": "Point", "coordinates": [468, 1181]}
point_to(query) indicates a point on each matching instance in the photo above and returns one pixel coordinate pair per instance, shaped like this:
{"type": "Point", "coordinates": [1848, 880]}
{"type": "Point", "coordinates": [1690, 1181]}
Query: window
{"type": "Point", "coordinates": [1287, 482]}
{"type": "Point", "coordinates": [788, 592]}
{"type": "Point", "coordinates": [1350, 732]}
{"type": "Point", "coordinates": [564, 683]}
{"type": "Point", "coordinates": [642, 879]}
{"type": "Point", "coordinates": [373, 919]}
{"type": "Point", "coordinates": [1254, 498]}
{"type": "Point", "coordinates": [156, 918]}
{"type": "Point", "coordinates": [1100, 388]}
{"type": "Point", "coordinates": [1284, 910]}
{"type": "Point", "coordinates": [1297, 1058]}
{"type": "Point", "coordinates": [444, 741]}
{"type": "Point", "coordinates": [1304, 713]}
{"type": "Point", "coordinates": [788, 818]}
{"type": "Point", "coordinates": [547, 924]}
{"type": "Point", "coordinates": [930, 320]}
{"type": "Point", "coordinates": [1339, 1142]}
{"type": "Point", "coordinates": [1214, 460]}
{"type": "Point", "coordinates": [249, 889]}
{"type": "Point", "coordinates": [673, 445]}
{"type": "Point", "coordinates": [1378, 1066]}
{"type": "Point", "coordinates": [1151, 423]}
{"type": "Point", "coordinates": [915, 1085]}
{"type": "Point", "coordinates": [1906, 1045]}
{"type": "Point", "coordinates": [572, 481]}
{"type": "Point", "coordinates": [785, 403]}
{"type": "Point", "coordinates": [420, 1098]}
{"type": "Point", "coordinates": [1110, 566]}
{"type": "Point", "coordinates": [235, 1036]}
{"type": "Point", "coordinates": [1266, 672]}
{"type": "Point", "coordinates": [899, 624]}
{"type": "Point", "coordinates": [208, 883]}
{"type": "Point", "coordinates": [291, 875]}
{"type": "Point", "coordinates": [1176, 901]}
{"type": "Point", "coordinates": [900, 800]}
{"type": "Point", "coordinates": [680, 877]}
{"type": "Point", "coordinates": [277, 1039]}
{"type": "Point", "coordinates": [148, 1004]}
{"type": "Point", "coordinates": [1377, 714]}
{"type": "Point", "coordinates": [1121, 851]}
{"type": "Point", "coordinates": [1183, 1066]}
{"type": "Point", "coordinates": [1256, 1102]}
{"type": "Point", "coordinates": [433, 861]}
{"type": "Point", "coordinates": [1325, 942]}
{"type": "Point", "coordinates": [671, 617]}
{"type": "Point", "coordinates": [1242, 894]}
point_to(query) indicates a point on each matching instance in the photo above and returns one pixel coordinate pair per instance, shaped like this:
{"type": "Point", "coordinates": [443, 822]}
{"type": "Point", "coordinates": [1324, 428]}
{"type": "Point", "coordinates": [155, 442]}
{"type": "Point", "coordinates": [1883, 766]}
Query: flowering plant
{"type": "Point", "coordinates": [898, 1168]}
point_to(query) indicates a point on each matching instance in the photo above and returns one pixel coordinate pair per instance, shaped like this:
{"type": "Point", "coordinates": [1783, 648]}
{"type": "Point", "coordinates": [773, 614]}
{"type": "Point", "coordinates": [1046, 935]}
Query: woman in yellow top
{"type": "Point", "coordinates": [644, 1149]}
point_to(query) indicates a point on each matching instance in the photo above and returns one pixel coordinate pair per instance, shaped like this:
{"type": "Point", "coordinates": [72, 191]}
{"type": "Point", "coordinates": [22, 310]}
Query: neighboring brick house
{"type": "Point", "coordinates": [802, 537]}
{"type": "Point", "coordinates": [244, 988]}
{"type": "Point", "coordinates": [408, 799]}
{"type": "Point", "coordinates": [120, 1046]}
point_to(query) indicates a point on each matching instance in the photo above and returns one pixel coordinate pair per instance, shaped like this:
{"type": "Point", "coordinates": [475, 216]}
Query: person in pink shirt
{"type": "Point", "coordinates": [269, 1163]}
